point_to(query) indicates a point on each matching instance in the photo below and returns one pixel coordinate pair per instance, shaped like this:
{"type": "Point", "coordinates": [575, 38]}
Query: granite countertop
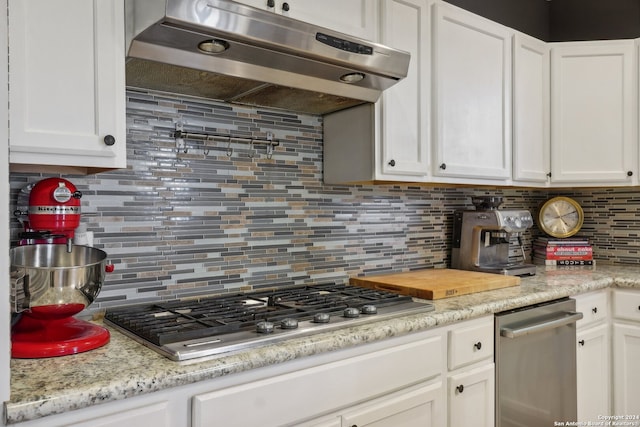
{"type": "Point", "coordinates": [123, 368]}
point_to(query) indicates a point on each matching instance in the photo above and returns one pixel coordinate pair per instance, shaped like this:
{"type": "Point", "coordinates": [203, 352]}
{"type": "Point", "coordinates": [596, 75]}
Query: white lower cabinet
{"type": "Point", "coordinates": [402, 386]}
{"type": "Point", "coordinates": [593, 368]}
{"type": "Point", "coordinates": [298, 396]}
{"type": "Point", "coordinates": [471, 397]}
{"type": "Point", "coordinates": [471, 377]}
{"type": "Point", "coordinates": [419, 406]}
{"type": "Point", "coordinates": [626, 370]}
{"type": "Point", "coordinates": [593, 364]}
{"type": "Point", "coordinates": [626, 352]}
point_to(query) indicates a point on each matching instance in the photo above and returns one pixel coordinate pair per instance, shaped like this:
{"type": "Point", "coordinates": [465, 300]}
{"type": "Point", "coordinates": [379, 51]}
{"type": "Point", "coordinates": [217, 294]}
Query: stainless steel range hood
{"type": "Point", "coordinates": [227, 51]}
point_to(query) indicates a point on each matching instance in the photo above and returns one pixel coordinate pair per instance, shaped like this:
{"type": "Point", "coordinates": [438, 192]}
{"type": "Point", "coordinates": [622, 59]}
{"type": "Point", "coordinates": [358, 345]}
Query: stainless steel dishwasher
{"type": "Point", "coordinates": [536, 364]}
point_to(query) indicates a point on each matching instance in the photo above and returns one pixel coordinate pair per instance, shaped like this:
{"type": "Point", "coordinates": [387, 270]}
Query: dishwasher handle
{"type": "Point", "coordinates": [565, 318]}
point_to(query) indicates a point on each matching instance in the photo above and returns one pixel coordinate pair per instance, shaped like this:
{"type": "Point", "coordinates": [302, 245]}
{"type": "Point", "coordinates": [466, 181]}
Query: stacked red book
{"type": "Point", "coordinates": [570, 251]}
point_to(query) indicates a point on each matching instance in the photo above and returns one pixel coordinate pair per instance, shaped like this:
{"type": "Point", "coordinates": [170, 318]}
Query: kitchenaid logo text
{"type": "Point", "coordinates": [56, 210]}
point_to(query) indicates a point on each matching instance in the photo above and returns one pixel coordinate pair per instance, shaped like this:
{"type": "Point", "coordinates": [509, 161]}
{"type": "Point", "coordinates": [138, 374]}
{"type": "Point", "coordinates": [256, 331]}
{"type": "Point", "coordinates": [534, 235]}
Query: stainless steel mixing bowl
{"type": "Point", "coordinates": [49, 275]}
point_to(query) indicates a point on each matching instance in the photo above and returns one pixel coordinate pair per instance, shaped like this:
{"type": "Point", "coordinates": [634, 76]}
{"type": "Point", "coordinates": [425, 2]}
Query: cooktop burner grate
{"type": "Point", "coordinates": [175, 321]}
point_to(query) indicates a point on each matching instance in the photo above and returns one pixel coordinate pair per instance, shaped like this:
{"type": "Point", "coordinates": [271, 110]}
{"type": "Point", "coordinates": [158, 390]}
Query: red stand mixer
{"type": "Point", "coordinates": [52, 278]}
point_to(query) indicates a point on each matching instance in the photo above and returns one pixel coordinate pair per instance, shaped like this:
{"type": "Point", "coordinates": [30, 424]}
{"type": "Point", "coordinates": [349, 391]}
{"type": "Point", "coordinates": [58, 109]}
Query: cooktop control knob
{"type": "Point", "coordinates": [321, 318]}
{"type": "Point", "coordinates": [351, 312]}
{"type": "Point", "coordinates": [369, 309]}
{"type": "Point", "coordinates": [264, 327]}
{"type": "Point", "coordinates": [289, 323]}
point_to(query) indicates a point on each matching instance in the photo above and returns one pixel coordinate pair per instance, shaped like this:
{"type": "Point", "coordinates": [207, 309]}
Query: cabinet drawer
{"type": "Point", "coordinates": [593, 307]}
{"type": "Point", "coordinates": [626, 305]}
{"type": "Point", "coordinates": [471, 342]}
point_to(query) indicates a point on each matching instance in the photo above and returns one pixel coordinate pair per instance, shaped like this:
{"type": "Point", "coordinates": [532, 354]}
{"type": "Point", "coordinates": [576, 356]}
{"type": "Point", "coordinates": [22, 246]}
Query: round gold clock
{"type": "Point", "coordinates": [560, 217]}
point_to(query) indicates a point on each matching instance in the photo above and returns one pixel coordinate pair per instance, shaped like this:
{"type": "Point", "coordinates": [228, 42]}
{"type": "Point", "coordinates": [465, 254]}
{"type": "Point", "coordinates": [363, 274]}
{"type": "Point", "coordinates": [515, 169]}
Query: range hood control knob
{"type": "Point", "coordinates": [351, 312]}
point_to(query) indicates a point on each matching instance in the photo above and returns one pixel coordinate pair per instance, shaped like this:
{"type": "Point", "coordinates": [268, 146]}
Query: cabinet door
{"type": "Point", "coordinates": [471, 397]}
{"type": "Point", "coordinates": [405, 107]}
{"type": "Point", "coordinates": [67, 90]}
{"type": "Point", "coordinates": [344, 383]}
{"type": "Point", "coordinates": [472, 98]}
{"type": "Point", "coordinates": [531, 91]}
{"type": "Point", "coordinates": [420, 407]}
{"type": "Point", "coordinates": [593, 105]}
{"type": "Point", "coordinates": [626, 369]}
{"type": "Point", "coordinates": [593, 372]}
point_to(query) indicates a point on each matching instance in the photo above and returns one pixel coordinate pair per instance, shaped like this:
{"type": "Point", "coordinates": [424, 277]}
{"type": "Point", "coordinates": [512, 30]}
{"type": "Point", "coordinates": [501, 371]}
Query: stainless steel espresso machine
{"type": "Point", "coordinates": [482, 238]}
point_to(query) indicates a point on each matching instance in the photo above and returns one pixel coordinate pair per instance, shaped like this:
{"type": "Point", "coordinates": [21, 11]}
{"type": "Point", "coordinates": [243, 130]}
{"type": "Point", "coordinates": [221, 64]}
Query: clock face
{"type": "Point", "coordinates": [561, 217]}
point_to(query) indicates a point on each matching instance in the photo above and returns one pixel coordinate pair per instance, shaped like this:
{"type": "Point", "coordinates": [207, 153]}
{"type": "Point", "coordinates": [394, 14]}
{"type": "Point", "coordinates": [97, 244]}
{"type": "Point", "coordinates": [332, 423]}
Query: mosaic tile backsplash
{"type": "Point", "coordinates": [218, 217]}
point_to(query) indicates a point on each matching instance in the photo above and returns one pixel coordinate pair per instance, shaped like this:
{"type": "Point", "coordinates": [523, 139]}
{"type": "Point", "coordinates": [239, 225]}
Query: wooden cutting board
{"type": "Point", "coordinates": [436, 283]}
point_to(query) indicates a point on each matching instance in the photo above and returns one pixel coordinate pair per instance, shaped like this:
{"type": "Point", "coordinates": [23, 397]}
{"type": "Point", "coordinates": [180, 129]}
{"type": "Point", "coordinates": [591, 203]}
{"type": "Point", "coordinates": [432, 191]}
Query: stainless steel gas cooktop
{"type": "Point", "coordinates": [208, 326]}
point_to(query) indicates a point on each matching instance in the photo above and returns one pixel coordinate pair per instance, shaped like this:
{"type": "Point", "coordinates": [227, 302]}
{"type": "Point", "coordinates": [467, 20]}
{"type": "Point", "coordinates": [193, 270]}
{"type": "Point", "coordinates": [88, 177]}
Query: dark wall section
{"type": "Point", "coordinates": [529, 16]}
{"type": "Point", "coordinates": [594, 19]}
{"type": "Point", "coordinates": [562, 20]}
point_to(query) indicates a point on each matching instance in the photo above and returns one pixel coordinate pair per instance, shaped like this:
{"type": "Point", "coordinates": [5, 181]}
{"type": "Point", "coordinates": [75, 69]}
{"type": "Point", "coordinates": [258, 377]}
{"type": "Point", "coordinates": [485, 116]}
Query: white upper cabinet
{"type": "Point", "coordinates": [353, 17]}
{"type": "Point", "coordinates": [388, 141]}
{"type": "Point", "coordinates": [471, 96]}
{"type": "Point", "coordinates": [531, 113]}
{"type": "Point", "coordinates": [404, 124]}
{"type": "Point", "coordinates": [66, 83]}
{"type": "Point", "coordinates": [594, 113]}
